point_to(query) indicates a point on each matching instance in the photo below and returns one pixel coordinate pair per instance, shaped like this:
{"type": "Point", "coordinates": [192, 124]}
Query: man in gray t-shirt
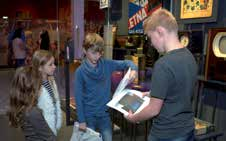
{"type": "Point", "coordinates": [172, 85]}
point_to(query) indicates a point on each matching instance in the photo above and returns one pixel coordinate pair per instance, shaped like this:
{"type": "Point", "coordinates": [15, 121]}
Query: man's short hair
{"type": "Point", "coordinates": [93, 41]}
{"type": "Point", "coordinates": [161, 17]}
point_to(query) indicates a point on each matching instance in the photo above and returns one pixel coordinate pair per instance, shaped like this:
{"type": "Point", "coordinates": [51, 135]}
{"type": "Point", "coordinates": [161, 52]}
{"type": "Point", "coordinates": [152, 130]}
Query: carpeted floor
{"type": "Point", "coordinates": [6, 76]}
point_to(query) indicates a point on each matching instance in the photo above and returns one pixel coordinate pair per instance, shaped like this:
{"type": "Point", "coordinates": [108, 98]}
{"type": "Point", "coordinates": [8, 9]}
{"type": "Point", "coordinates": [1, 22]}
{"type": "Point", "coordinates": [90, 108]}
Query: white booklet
{"type": "Point", "coordinates": [125, 100]}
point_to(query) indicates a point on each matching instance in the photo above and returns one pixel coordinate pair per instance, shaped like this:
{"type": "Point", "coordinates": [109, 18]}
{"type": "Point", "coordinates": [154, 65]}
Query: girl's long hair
{"type": "Point", "coordinates": [23, 95]}
{"type": "Point", "coordinates": [39, 59]}
{"type": "Point", "coordinates": [25, 87]}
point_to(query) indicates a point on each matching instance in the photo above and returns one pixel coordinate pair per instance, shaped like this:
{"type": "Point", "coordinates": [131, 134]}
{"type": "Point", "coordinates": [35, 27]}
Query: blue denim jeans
{"type": "Point", "coordinates": [102, 124]}
{"type": "Point", "coordinates": [188, 137]}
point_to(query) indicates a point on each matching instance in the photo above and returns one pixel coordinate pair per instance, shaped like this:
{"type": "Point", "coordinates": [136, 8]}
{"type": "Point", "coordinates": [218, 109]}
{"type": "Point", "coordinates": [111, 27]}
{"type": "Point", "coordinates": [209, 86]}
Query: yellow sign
{"type": "Point", "coordinates": [196, 9]}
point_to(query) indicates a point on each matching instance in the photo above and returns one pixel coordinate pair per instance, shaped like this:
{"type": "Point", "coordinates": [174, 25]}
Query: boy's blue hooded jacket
{"type": "Point", "coordinates": [93, 86]}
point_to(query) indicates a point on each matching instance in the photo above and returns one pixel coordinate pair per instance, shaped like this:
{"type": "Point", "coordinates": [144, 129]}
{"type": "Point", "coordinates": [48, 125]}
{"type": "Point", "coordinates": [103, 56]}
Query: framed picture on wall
{"type": "Point", "coordinates": [196, 11]}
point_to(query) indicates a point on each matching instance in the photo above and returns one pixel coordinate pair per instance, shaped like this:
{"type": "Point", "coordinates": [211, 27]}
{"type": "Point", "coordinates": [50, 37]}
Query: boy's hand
{"type": "Point", "coordinates": [145, 93]}
{"type": "Point", "coordinates": [82, 126]}
{"type": "Point", "coordinates": [133, 75]}
{"type": "Point", "coordinates": [129, 117]}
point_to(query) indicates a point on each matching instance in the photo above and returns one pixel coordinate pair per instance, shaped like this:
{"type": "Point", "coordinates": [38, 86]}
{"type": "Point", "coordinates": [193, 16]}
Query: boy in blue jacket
{"type": "Point", "coordinates": [93, 86]}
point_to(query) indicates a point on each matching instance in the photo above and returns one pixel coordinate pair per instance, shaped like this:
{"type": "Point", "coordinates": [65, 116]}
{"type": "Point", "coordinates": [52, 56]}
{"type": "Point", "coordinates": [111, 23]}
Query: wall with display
{"type": "Point", "coordinates": [196, 33]}
{"type": "Point", "coordinates": [212, 68]}
{"type": "Point", "coordinates": [138, 12]}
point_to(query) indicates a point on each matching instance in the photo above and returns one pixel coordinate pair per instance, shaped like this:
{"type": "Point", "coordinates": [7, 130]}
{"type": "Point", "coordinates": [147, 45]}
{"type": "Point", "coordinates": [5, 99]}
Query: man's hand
{"type": "Point", "coordinates": [82, 126]}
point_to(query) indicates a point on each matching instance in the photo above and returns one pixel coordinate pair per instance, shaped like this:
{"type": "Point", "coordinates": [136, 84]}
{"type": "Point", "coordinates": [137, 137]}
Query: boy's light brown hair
{"type": "Point", "coordinates": [93, 41]}
{"type": "Point", "coordinates": [161, 17]}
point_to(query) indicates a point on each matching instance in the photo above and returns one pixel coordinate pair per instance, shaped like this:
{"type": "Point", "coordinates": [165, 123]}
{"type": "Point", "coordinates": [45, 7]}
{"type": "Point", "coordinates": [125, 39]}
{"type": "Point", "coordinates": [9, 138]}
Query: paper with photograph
{"type": "Point", "coordinates": [125, 100]}
{"type": "Point", "coordinates": [123, 83]}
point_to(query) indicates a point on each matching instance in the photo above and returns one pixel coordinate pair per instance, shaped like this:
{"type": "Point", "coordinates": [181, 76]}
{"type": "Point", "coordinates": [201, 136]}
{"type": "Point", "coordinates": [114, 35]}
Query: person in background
{"type": "Point", "coordinates": [17, 32]}
{"type": "Point", "coordinates": [172, 84]}
{"type": "Point", "coordinates": [17, 49]}
{"type": "Point", "coordinates": [19, 52]}
{"type": "Point", "coordinates": [23, 111]}
{"type": "Point", "coordinates": [93, 86]}
{"type": "Point", "coordinates": [45, 41]}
